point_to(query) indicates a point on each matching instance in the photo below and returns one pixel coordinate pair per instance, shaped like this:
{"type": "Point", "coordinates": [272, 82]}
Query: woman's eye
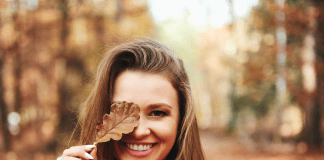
{"type": "Point", "coordinates": [157, 114]}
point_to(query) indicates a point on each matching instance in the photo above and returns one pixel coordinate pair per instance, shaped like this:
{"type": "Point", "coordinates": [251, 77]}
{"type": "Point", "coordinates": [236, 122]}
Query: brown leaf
{"type": "Point", "coordinates": [123, 118]}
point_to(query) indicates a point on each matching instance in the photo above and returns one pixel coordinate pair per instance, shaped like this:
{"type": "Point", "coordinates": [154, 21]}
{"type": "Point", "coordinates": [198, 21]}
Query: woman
{"type": "Point", "coordinates": [148, 74]}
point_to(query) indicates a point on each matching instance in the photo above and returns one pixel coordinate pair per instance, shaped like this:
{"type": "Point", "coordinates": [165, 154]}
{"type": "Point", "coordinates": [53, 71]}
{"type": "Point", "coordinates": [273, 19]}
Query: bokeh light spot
{"type": "Point", "coordinates": [13, 118]}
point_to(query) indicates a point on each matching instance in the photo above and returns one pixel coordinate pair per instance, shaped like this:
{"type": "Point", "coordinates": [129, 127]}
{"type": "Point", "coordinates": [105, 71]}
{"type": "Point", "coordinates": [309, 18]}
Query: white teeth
{"type": "Point", "coordinates": [140, 147]}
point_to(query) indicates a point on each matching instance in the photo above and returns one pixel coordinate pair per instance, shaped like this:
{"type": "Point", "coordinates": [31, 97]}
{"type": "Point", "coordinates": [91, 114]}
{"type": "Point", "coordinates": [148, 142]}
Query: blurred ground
{"type": "Point", "coordinates": [218, 146]}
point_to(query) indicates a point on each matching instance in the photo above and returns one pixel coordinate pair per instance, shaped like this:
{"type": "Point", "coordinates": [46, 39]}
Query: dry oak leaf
{"type": "Point", "coordinates": [123, 118]}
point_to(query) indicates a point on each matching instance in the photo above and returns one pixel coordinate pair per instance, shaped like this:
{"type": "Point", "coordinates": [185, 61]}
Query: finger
{"type": "Point", "coordinates": [89, 147]}
{"type": "Point", "coordinates": [93, 153]}
{"type": "Point", "coordinates": [69, 158]}
{"type": "Point", "coordinates": [77, 151]}
{"type": "Point", "coordinates": [88, 155]}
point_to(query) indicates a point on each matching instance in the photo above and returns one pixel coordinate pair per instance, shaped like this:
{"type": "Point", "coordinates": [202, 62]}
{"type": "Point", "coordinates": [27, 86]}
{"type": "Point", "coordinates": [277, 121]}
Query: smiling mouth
{"type": "Point", "coordinates": [139, 147]}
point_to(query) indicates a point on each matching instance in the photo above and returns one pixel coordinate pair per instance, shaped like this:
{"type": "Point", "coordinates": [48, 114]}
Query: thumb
{"type": "Point", "coordinates": [93, 153]}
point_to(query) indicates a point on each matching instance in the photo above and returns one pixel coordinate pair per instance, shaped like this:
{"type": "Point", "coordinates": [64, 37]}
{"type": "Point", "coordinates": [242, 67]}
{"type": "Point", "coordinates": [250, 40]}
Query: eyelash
{"type": "Point", "coordinates": [160, 114]}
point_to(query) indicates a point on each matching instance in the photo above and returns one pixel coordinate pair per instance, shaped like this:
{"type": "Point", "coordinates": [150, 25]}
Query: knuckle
{"type": "Point", "coordinates": [73, 147]}
{"type": "Point", "coordinates": [74, 151]}
{"type": "Point", "coordinates": [64, 152]}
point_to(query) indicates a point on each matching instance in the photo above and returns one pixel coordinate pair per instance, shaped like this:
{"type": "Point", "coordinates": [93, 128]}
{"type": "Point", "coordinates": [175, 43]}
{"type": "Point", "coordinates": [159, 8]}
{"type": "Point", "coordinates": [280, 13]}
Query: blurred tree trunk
{"type": "Point", "coordinates": [17, 74]}
{"type": "Point", "coordinates": [312, 98]}
{"type": "Point", "coordinates": [319, 51]}
{"type": "Point", "coordinates": [3, 111]}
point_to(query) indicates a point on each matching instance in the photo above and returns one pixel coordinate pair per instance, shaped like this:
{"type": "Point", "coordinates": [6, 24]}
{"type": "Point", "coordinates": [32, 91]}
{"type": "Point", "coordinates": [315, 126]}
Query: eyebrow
{"type": "Point", "coordinates": [156, 105]}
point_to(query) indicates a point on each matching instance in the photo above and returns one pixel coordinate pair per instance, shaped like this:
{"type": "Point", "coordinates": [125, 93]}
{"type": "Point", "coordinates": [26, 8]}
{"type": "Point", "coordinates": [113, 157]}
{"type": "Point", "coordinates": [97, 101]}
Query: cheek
{"type": "Point", "coordinates": [166, 131]}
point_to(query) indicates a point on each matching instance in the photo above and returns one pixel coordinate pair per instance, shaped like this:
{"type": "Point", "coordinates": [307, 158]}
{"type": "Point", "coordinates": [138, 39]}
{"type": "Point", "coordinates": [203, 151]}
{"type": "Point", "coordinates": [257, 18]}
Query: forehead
{"type": "Point", "coordinates": [167, 75]}
{"type": "Point", "coordinates": [141, 87]}
{"type": "Point", "coordinates": [130, 79]}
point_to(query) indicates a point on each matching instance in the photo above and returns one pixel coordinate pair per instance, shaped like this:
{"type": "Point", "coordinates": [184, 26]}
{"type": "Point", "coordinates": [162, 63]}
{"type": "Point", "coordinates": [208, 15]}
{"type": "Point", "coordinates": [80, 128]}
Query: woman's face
{"type": "Point", "coordinates": [159, 111]}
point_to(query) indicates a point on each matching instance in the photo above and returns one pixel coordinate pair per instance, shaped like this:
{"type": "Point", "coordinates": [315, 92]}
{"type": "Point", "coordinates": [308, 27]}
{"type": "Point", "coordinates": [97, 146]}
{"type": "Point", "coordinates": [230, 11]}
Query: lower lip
{"type": "Point", "coordinates": [140, 153]}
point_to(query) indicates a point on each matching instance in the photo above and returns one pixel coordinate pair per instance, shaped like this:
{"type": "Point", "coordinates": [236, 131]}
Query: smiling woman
{"type": "Point", "coordinates": [148, 74]}
{"type": "Point", "coordinates": [159, 107]}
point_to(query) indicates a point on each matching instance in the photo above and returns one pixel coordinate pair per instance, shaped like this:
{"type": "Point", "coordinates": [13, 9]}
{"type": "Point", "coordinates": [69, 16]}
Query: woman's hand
{"type": "Point", "coordinates": [80, 152]}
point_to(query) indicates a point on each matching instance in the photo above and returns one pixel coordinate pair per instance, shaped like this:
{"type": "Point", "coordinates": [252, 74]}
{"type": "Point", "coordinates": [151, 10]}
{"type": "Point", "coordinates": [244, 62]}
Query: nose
{"type": "Point", "coordinates": [141, 130]}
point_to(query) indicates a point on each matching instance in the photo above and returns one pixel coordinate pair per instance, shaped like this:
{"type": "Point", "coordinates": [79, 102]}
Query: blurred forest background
{"type": "Point", "coordinates": [256, 69]}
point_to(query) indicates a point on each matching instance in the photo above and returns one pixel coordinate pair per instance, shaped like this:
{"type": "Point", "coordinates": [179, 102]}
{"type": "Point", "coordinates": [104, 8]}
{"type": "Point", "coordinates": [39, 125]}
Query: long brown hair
{"type": "Point", "coordinates": [146, 56]}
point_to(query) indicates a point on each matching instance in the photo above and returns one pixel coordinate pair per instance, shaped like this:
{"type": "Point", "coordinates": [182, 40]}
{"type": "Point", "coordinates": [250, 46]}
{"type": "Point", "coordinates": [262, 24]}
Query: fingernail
{"type": "Point", "coordinates": [90, 146]}
{"type": "Point", "coordinates": [88, 155]}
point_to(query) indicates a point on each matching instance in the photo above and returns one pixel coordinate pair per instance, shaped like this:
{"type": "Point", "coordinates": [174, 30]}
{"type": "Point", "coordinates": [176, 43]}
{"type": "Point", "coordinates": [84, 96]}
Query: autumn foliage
{"type": "Point", "coordinates": [49, 51]}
